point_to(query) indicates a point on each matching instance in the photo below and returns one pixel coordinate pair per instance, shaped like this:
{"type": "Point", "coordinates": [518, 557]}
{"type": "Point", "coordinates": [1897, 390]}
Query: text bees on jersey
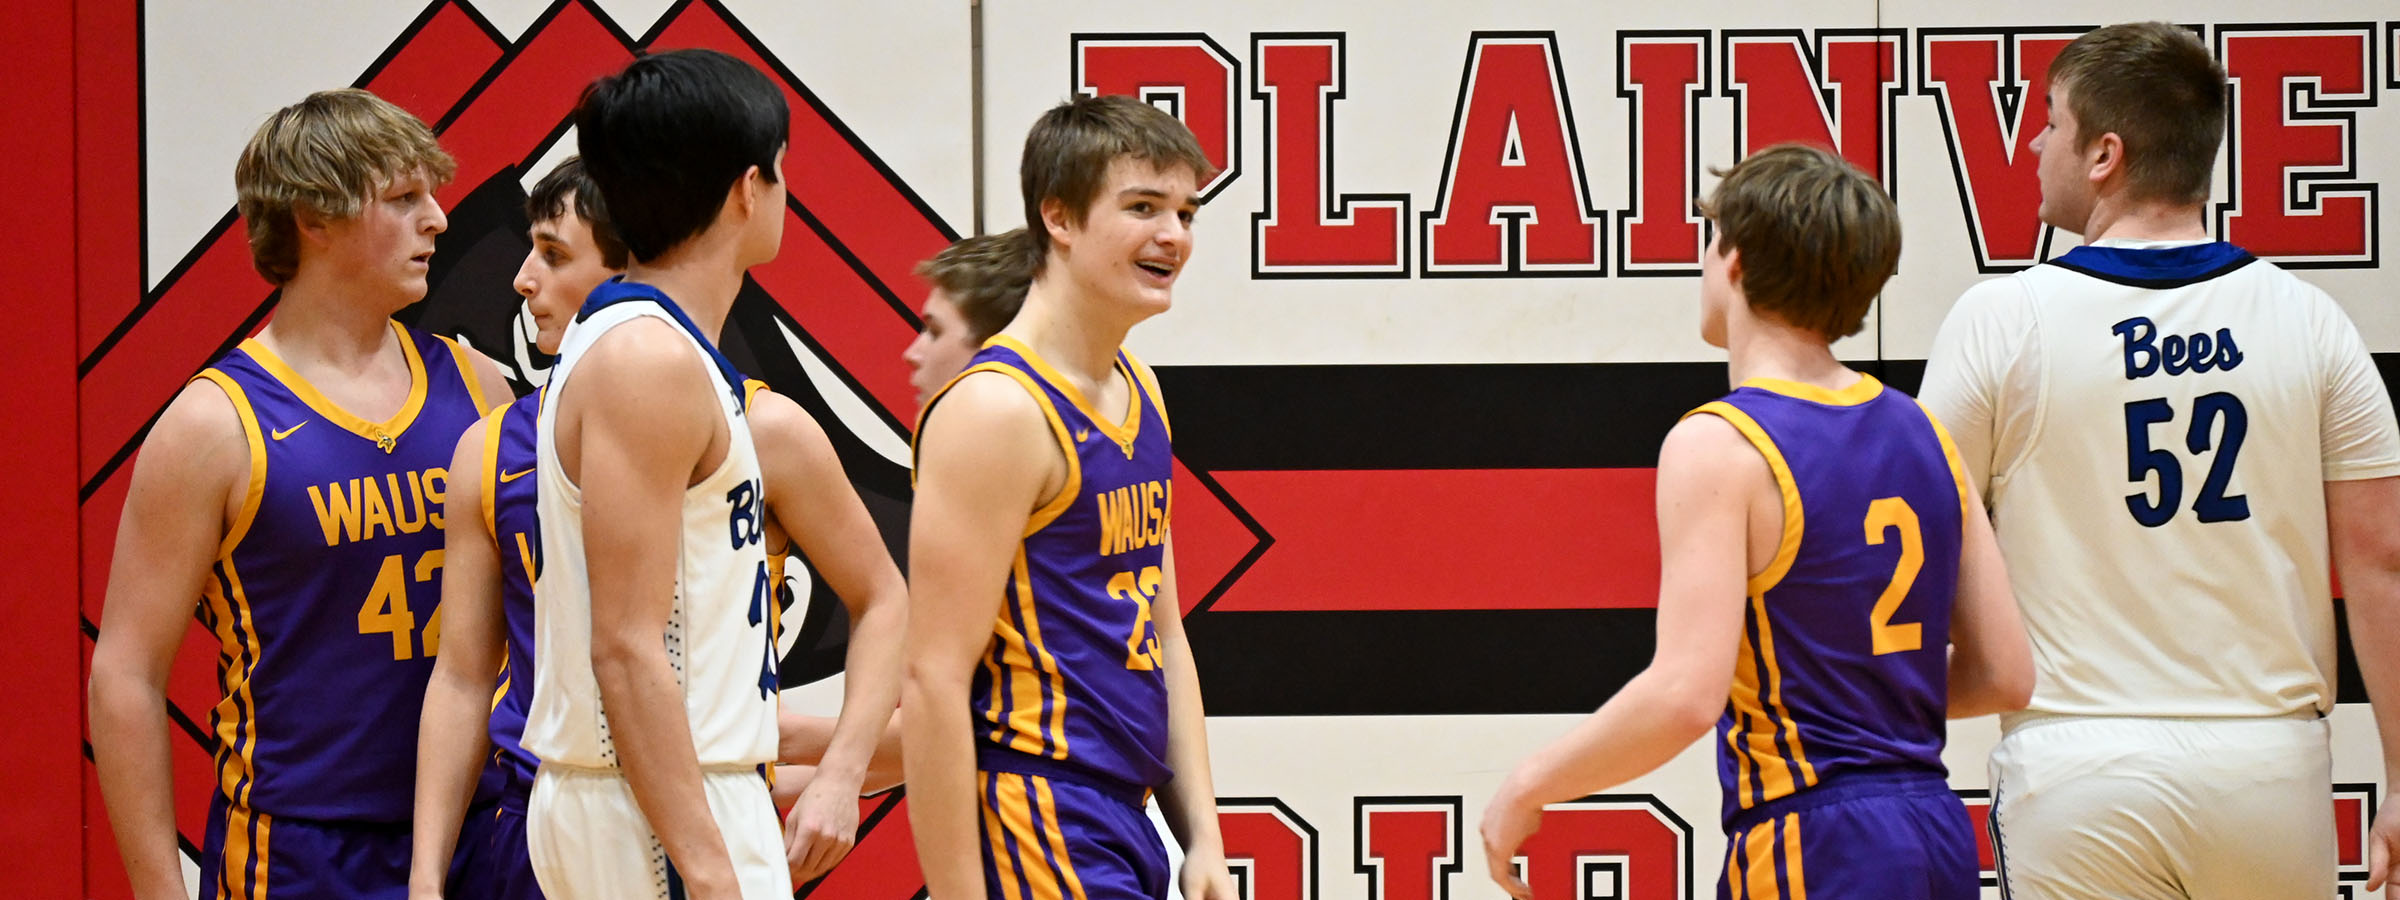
{"type": "Point", "coordinates": [1134, 516]}
{"type": "Point", "coordinates": [360, 509]}
{"type": "Point", "coordinates": [2146, 353]}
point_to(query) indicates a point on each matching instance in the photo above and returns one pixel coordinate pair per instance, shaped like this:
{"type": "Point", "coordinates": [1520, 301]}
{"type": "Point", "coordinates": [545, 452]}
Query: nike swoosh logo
{"type": "Point", "coordinates": [506, 477]}
{"type": "Point", "coordinates": [280, 435]}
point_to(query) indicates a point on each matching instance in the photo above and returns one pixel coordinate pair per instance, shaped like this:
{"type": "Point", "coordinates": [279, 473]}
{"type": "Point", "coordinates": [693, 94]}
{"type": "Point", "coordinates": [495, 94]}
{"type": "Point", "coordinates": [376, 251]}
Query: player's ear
{"type": "Point", "coordinates": [310, 223]}
{"type": "Point", "coordinates": [1054, 220]}
{"type": "Point", "coordinates": [1733, 266]}
{"type": "Point", "coordinates": [2108, 157]}
{"type": "Point", "coordinates": [747, 193]}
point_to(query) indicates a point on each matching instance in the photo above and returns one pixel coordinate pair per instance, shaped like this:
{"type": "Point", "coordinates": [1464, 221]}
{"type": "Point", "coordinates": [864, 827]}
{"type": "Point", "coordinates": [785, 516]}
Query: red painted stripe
{"type": "Point", "coordinates": [1209, 541]}
{"type": "Point", "coordinates": [171, 342]}
{"type": "Point", "coordinates": [43, 666]}
{"type": "Point", "coordinates": [2349, 824]}
{"type": "Point", "coordinates": [97, 524]}
{"type": "Point", "coordinates": [830, 175]}
{"type": "Point", "coordinates": [530, 99]}
{"type": "Point", "coordinates": [1449, 540]}
{"type": "Point", "coordinates": [441, 62]}
{"type": "Point", "coordinates": [843, 314]}
{"type": "Point", "coordinates": [108, 155]}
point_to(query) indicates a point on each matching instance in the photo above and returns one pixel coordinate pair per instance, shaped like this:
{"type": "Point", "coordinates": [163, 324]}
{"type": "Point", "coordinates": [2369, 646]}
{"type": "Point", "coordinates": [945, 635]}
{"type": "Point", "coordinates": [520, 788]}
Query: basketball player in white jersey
{"type": "Point", "coordinates": [2172, 437]}
{"type": "Point", "coordinates": [654, 686]}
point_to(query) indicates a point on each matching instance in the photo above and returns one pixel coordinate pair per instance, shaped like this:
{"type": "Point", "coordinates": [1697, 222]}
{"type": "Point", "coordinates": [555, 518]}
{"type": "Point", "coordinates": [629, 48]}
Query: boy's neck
{"type": "Point", "coordinates": [1066, 329]}
{"type": "Point", "coordinates": [2124, 219]}
{"type": "Point", "coordinates": [319, 322]}
{"type": "Point", "coordinates": [702, 278]}
{"type": "Point", "coordinates": [1767, 348]}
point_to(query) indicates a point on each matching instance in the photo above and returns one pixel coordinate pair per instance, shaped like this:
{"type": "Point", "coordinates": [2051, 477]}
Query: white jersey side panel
{"type": "Point", "coordinates": [717, 635]}
{"type": "Point", "coordinates": [2154, 457]}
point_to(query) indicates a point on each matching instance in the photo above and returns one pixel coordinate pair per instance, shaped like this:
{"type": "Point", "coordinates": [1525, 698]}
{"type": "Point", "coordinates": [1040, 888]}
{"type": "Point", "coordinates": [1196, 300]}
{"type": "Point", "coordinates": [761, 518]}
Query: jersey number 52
{"type": "Point", "coordinates": [2141, 459]}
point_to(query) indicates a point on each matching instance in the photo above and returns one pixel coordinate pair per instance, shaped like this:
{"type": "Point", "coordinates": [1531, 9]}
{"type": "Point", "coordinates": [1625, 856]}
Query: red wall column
{"type": "Point", "coordinates": [38, 548]}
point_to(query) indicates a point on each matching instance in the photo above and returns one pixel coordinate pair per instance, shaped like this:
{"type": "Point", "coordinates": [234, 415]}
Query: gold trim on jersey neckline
{"type": "Point", "coordinates": [385, 434]}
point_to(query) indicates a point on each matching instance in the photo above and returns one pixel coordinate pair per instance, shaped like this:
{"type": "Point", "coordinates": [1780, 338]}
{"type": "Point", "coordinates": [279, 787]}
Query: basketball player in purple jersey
{"type": "Point", "coordinates": [1050, 689]}
{"type": "Point", "coordinates": [978, 285]}
{"type": "Point", "coordinates": [1829, 590]}
{"type": "Point", "coordinates": [488, 595]}
{"type": "Point", "coordinates": [294, 491]}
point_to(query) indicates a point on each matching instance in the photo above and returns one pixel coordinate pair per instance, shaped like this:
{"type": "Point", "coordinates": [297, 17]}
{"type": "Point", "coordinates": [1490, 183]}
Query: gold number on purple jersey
{"type": "Point", "coordinates": [1141, 647]}
{"type": "Point", "coordinates": [1893, 513]}
{"type": "Point", "coordinates": [385, 611]}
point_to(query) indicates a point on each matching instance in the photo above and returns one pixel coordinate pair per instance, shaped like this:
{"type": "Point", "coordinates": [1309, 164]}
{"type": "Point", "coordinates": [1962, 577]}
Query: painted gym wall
{"type": "Point", "coordinates": [1442, 308]}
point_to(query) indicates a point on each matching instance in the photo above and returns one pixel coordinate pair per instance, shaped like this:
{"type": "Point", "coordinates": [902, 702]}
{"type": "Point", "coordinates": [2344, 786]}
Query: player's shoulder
{"type": "Point", "coordinates": [775, 417]}
{"type": "Point", "coordinates": [466, 458]}
{"type": "Point", "coordinates": [206, 437]}
{"type": "Point", "coordinates": [987, 406]}
{"type": "Point", "coordinates": [645, 362]}
{"type": "Point", "coordinates": [1710, 443]}
{"type": "Point", "coordinates": [988, 394]}
{"type": "Point", "coordinates": [211, 407]}
{"type": "Point", "coordinates": [2007, 297]}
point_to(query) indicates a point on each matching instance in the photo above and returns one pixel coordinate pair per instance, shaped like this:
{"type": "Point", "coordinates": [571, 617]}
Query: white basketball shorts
{"type": "Point", "coordinates": [590, 842]}
{"type": "Point", "coordinates": [2164, 809]}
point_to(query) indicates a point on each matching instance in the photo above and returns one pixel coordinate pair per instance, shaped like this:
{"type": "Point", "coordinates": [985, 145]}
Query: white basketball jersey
{"type": "Point", "coordinates": [2153, 426]}
{"type": "Point", "coordinates": [718, 634]}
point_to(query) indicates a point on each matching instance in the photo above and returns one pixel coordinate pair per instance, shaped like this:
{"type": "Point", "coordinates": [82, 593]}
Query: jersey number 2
{"type": "Point", "coordinates": [1894, 514]}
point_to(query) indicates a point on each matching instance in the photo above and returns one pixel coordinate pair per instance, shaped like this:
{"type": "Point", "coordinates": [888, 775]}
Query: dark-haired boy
{"type": "Point", "coordinates": [655, 686]}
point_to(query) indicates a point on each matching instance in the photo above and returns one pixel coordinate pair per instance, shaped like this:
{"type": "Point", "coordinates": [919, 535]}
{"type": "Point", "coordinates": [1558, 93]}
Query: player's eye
{"type": "Point", "coordinates": [1141, 206]}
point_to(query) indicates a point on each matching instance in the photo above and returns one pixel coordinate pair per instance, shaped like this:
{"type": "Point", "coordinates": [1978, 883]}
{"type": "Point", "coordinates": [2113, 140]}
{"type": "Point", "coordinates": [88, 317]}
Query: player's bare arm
{"type": "Point", "coordinates": [1190, 800]}
{"type": "Point", "coordinates": [640, 424]}
{"type": "Point", "coordinates": [985, 460]}
{"type": "Point", "coordinates": [801, 740]}
{"type": "Point", "coordinates": [812, 498]}
{"type": "Point", "coordinates": [1718, 513]}
{"type": "Point", "coordinates": [187, 486]}
{"type": "Point", "coordinates": [1991, 662]}
{"type": "Point", "coordinates": [452, 733]}
{"type": "Point", "coordinates": [2366, 556]}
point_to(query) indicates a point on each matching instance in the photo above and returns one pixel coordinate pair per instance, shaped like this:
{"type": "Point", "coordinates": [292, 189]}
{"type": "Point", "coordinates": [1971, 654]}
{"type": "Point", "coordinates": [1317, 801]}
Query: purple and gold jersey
{"type": "Point", "coordinates": [508, 515]}
{"type": "Point", "coordinates": [1072, 683]}
{"type": "Point", "coordinates": [1843, 668]}
{"type": "Point", "coordinates": [324, 594]}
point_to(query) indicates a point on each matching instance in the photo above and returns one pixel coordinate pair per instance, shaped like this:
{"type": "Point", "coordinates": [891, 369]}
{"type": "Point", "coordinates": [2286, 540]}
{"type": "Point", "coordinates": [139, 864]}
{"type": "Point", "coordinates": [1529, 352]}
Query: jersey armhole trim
{"type": "Point", "coordinates": [1958, 466]}
{"type": "Point", "coordinates": [1794, 517]}
{"type": "Point", "coordinates": [257, 491]}
{"type": "Point", "coordinates": [493, 424]}
{"type": "Point", "coordinates": [466, 373]}
{"type": "Point", "coordinates": [1067, 490]}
